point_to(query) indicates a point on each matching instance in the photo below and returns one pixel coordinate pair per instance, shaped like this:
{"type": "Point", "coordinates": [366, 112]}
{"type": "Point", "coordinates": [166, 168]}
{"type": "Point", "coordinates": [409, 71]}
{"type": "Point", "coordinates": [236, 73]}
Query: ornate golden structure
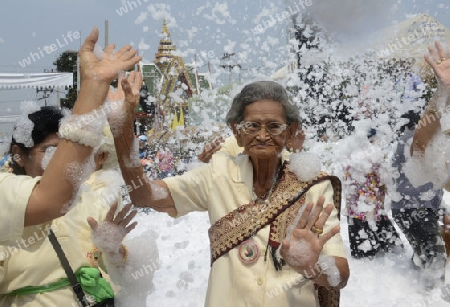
{"type": "Point", "coordinates": [171, 83]}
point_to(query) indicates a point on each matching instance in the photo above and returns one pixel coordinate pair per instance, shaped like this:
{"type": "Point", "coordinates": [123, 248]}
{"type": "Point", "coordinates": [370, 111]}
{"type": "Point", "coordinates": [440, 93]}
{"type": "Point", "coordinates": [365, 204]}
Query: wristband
{"type": "Point", "coordinates": [313, 270]}
{"type": "Point", "coordinates": [83, 129]}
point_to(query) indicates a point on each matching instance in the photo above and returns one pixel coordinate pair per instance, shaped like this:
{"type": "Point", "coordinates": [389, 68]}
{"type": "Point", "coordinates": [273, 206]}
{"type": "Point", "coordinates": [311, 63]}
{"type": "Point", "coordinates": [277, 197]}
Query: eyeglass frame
{"type": "Point", "coordinates": [240, 126]}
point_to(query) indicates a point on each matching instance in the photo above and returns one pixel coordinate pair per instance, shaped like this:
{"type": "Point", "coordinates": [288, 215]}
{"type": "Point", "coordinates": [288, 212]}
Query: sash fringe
{"type": "Point", "coordinates": [278, 261]}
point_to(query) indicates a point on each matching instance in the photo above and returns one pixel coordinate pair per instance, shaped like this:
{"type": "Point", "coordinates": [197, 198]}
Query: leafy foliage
{"type": "Point", "coordinates": [67, 62]}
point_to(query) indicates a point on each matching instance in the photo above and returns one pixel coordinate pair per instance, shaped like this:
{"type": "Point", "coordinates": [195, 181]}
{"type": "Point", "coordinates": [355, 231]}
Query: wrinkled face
{"type": "Point", "coordinates": [32, 162]}
{"type": "Point", "coordinates": [262, 144]}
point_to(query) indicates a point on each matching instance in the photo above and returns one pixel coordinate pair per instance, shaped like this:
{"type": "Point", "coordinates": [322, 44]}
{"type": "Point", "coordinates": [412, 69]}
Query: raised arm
{"type": "Point", "coordinates": [57, 185]}
{"type": "Point", "coordinates": [143, 192]}
{"type": "Point", "coordinates": [429, 125]}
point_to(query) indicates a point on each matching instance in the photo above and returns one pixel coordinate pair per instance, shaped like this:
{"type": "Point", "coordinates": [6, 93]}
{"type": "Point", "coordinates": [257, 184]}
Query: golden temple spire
{"type": "Point", "coordinates": [164, 54]}
{"type": "Point", "coordinates": [164, 28]}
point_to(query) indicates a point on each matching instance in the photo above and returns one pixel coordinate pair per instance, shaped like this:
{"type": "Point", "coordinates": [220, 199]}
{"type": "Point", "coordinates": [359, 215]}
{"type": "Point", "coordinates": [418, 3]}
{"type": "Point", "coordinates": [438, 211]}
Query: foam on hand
{"type": "Point", "coordinates": [299, 253]}
{"type": "Point", "coordinates": [98, 51]}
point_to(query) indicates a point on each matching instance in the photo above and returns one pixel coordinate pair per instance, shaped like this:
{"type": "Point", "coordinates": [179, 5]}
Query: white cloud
{"type": "Point", "coordinates": [143, 45]}
{"type": "Point", "coordinates": [230, 46]}
{"type": "Point", "coordinates": [160, 11]}
{"type": "Point", "coordinates": [218, 11]}
{"type": "Point", "coordinates": [141, 18]}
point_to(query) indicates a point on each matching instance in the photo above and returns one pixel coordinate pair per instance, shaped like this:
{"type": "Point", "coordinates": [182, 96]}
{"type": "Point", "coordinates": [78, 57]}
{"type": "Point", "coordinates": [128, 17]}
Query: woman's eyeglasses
{"type": "Point", "coordinates": [273, 128]}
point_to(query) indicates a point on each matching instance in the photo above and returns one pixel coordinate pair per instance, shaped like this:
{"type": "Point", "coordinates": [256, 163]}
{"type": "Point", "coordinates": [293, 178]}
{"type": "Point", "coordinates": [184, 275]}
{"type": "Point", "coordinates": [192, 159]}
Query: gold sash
{"type": "Point", "coordinates": [287, 198]}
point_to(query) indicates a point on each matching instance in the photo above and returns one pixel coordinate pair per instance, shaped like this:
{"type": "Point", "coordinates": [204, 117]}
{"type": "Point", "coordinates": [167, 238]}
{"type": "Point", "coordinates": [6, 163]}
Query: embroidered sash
{"type": "Point", "coordinates": [287, 198]}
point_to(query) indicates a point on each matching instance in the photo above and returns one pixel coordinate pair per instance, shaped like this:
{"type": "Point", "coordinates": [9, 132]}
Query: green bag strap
{"type": "Point", "coordinates": [89, 278]}
{"type": "Point", "coordinates": [40, 289]}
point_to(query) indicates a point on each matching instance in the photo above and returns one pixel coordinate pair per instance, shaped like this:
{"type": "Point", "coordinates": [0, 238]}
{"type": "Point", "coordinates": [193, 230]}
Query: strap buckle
{"type": "Point", "coordinates": [82, 297]}
{"type": "Point", "coordinates": [90, 300]}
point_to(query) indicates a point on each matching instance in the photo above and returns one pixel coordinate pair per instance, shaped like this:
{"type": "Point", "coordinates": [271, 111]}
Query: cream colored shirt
{"type": "Point", "coordinates": [220, 187]}
{"type": "Point", "coordinates": [31, 260]}
{"type": "Point", "coordinates": [14, 195]}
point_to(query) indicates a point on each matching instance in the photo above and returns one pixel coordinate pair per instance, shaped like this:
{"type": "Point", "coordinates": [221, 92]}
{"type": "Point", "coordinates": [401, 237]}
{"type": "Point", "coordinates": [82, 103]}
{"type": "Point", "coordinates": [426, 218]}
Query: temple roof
{"type": "Point", "coordinates": [164, 54]}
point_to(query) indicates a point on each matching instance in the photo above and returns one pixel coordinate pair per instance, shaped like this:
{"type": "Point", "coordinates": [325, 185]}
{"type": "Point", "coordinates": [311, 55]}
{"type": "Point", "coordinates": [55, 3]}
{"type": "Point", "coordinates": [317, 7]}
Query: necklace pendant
{"type": "Point", "coordinates": [248, 252]}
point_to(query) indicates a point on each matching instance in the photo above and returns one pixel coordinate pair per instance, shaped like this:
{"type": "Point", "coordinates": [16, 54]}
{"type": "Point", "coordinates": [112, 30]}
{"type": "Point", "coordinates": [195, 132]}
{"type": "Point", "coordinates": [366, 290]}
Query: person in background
{"type": "Point", "coordinates": [43, 280]}
{"type": "Point", "coordinates": [6, 166]}
{"type": "Point", "coordinates": [30, 200]}
{"type": "Point", "coordinates": [165, 160]}
{"type": "Point", "coordinates": [371, 232]}
{"type": "Point", "coordinates": [143, 147]}
{"type": "Point", "coordinates": [4, 160]}
{"type": "Point", "coordinates": [430, 149]}
{"type": "Point", "coordinates": [417, 211]}
{"type": "Point", "coordinates": [429, 143]}
{"type": "Point", "coordinates": [408, 83]}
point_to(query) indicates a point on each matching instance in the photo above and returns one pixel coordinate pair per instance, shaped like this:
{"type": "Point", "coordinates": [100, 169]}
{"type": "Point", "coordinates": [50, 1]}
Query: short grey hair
{"type": "Point", "coordinates": [258, 91]}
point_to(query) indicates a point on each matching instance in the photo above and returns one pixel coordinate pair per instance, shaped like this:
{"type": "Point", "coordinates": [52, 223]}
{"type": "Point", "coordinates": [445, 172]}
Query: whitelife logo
{"type": "Point", "coordinates": [48, 49]}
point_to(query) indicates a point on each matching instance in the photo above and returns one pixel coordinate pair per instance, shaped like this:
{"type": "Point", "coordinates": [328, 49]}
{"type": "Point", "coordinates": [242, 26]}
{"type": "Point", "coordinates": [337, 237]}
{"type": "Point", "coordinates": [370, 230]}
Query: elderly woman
{"type": "Point", "coordinates": [252, 200]}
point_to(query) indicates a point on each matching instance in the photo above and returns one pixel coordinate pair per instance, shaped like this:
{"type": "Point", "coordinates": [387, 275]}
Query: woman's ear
{"type": "Point", "coordinates": [236, 134]}
{"type": "Point", "coordinates": [294, 138]}
{"type": "Point", "coordinates": [291, 131]}
{"type": "Point", "coordinates": [17, 155]}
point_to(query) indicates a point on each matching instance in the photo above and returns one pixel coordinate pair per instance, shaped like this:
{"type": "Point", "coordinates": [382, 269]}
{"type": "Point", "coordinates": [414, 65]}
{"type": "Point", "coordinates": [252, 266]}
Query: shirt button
{"type": "Point", "coordinates": [260, 281]}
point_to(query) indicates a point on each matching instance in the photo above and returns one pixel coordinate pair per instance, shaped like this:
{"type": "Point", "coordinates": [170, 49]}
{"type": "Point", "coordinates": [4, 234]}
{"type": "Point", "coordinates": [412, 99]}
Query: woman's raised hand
{"type": "Point", "coordinates": [306, 242]}
{"type": "Point", "coordinates": [127, 95]}
{"type": "Point", "coordinates": [439, 61]}
{"type": "Point", "coordinates": [107, 68]}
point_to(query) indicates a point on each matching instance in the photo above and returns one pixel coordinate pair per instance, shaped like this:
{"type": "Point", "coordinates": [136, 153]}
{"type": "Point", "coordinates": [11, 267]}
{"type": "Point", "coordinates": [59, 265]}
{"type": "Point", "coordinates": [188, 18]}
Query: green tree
{"type": "Point", "coordinates": [67, 62]}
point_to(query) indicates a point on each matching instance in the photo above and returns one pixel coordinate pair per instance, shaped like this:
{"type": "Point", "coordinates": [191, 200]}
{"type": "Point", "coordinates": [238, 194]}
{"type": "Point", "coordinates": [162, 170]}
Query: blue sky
{"type": "Point", "coordinates": [197, 25]}
{"type": "Point", "coordinates": [213, 27]}
{"type": "Point", "coordinates": [207, 29]}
